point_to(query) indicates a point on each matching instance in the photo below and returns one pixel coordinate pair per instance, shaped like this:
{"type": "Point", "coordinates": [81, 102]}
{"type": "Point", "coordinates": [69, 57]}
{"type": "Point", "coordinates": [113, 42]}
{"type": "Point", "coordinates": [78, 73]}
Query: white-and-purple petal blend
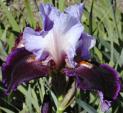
{"type": "Point", "coordinates": [61, 39]}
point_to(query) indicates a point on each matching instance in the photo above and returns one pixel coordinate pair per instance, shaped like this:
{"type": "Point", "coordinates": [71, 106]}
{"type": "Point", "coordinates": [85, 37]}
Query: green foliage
{"type": "Point", "coordinates": [101, 18]}
{"type": "Point", "coordinates": [86, 107]}
{"type": "Point", "coordinates": [9, 16]}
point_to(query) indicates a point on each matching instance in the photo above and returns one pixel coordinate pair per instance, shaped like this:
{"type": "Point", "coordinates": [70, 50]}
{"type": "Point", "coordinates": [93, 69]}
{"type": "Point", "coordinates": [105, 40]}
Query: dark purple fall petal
{"type": "Point", "coordinates": [46, 106]}
{"type": "Point", "coordinates": [103, 78]}
{"type": "Point", "coordinates": [21, 66]}
{"type": "Point", "coordinates": [115, 78]}
{"type": "Point", "coordinates": [11, 60]}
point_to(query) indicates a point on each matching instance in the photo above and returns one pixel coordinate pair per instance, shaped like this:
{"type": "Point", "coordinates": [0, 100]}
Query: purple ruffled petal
{"type": "Point", "coordinates": [21, 66]}
{"type": "Point", "coordinates": [11, 60]}
{"type": "Point", "coordinates": [34, 41]}
{"type": "Point", "coordinates": [85, 43]}
{"type": "Point", "coordinates": [103, 78]}
{"type": "Point", "coordinates": [19, 43]}
{"type": "Point", "coordinates": [113, 77]}
{"type": "Point", "coordinates": [48, 13]}
{"type": "Point", "coordinates": [75, 10]}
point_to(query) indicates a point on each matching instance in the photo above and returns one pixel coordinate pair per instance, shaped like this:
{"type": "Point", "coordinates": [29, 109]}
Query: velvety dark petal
{"type": "Point", "coordinates": [46, 106]}
{"type": "Point", "coordinates": [70, 72]}
{"type": "Point", "coordinates": [21, 66]}
{"type": "Point", "coordinates": [114, 77]}
{"type": "Point", "coordinates": [11, 60]}
{"type": "Point", "coordinates": [101, 78]}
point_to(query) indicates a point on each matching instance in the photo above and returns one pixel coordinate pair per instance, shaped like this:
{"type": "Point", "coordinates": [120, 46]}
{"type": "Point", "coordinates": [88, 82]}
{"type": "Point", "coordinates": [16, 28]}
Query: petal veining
{"type": "Point", "coordinates": [60, 40]}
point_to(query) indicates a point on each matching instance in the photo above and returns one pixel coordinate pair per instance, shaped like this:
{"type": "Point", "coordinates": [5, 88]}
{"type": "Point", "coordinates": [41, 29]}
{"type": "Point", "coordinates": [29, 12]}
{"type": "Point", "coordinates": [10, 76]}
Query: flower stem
{"type": "Point", "coordinates": [59, 108]}
{"type": "Point", "coordinates": [59, 111]}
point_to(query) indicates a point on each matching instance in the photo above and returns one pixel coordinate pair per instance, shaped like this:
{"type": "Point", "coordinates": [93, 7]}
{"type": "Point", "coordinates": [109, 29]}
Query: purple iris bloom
{"type": "Point", "coordinates": [61, 39]}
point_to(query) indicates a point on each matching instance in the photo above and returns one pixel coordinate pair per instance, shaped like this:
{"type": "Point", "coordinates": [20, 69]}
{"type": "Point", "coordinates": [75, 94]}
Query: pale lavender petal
{"type": "Point", "coordinates": [75, 10]}
{"type": "Point", "coordinates": [61, 39]}
{"type": "Point", "coordinates": [85, 43]}
{"type": "Point", "coordinates": [33, 41]}
{"type": "Point", "coordinates": [48, 13]}
{"type": "Point", "coordinates": [105, 105]}
{"type": "Point", "coordinates": [68, 31]}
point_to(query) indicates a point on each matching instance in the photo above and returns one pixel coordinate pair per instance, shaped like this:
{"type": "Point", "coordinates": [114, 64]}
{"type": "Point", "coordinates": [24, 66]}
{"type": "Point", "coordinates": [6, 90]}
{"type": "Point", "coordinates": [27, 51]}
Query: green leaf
{"type": "Point", "coordinates": [35, 100]}
{"type": "Point", "coordinates": [6, 110]}
{"type": "Point", "coordinates": [47, 1]}
{"type": "Point", "coordinates": [3, 53]}
{"type": "Point", "coordinates": [54, 98]}
{"type": "Point", "coordinates": [29, 100]}
{"type": "Point", "coordinates": [3, 36]}
{"type": "Point", "coordinates": [9, 16]}
{"type": "Point", "coordinates": [61, 5]}
{"type": "Point", "coordinates": [41, 89]}
{"type": "Point", "coordinates": [86, 107]}
{"type": "Point", "coordinates": [121, 58]}
{"type": "Point", "coordinates": [30, 13]}
{"type": "Point", "coordinates": [99, 54]}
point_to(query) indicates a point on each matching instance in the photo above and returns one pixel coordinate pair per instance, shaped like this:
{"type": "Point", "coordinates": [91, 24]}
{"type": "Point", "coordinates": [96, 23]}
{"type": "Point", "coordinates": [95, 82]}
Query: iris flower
{"type": "Point", "coordinates": [61, 45]}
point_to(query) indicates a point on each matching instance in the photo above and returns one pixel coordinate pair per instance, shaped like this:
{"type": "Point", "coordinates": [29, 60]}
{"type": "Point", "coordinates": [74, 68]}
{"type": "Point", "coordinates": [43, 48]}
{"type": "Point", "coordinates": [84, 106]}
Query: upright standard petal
{"type": "Point", "coordinates": [85, 43]}
{"type": "Point", "coordinates": [75, 10]}
{"type": "Point", "coordinates": [48, 14]}
{"type": "Point", "coordinates": [59, 41]}
{"type": "Point", "coordinates": [67, 31]}
{"type": "Point", "coordinates": [21, 66]}
{"type": "Point", "coordinates": [102, 78]}
{"type": "Point", "coordinates": [34, 42]}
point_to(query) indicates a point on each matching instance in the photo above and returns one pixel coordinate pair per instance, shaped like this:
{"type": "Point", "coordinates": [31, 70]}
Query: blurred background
{"type": "Point", "coordinates": [101, 18]}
